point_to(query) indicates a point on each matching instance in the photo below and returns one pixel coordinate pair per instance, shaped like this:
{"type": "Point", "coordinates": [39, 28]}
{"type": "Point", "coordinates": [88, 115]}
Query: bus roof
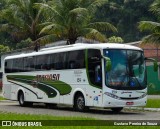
{"type": "Point", "coordinates": [77, 46]}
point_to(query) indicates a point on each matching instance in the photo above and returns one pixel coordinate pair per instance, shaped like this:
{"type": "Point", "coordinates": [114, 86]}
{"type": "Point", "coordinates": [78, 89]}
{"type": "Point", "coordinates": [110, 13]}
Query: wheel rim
{"type": "Point", "coordinates": [80, 103]}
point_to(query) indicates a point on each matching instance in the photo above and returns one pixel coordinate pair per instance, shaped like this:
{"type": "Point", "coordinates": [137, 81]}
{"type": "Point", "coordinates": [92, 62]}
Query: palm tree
{"type": "Point", "coordinates": [21, 19]}
{"type": "Point", "coordinates": [152, 27]}
{"type": "Point", "coordinates": [70, 19]}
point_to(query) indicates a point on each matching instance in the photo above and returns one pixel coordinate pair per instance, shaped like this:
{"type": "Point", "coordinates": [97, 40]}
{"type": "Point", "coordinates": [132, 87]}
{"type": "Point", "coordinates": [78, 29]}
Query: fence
{"type": "Point", "coordinates": [152, 77]}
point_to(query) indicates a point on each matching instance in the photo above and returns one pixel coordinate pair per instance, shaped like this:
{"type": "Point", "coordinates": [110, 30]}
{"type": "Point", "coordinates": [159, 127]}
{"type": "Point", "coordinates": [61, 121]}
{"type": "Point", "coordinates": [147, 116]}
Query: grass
{"type": "Point", "coordinates": [1, 98]}
{"type": "Point", "coordinates": [153, 103]}
{"type": "Point", "coordinates": [14, 116]}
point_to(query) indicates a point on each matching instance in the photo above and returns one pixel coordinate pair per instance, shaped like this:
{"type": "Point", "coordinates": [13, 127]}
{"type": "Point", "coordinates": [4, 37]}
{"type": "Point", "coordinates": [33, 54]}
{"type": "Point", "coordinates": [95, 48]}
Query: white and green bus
{"type": "Point", "coordinates": [83, 75]}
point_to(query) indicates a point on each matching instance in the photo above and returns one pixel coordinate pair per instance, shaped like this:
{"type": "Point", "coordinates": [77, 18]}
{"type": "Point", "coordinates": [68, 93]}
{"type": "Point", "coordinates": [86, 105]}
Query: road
{"type": "Point", "coordinates": [68, 111]}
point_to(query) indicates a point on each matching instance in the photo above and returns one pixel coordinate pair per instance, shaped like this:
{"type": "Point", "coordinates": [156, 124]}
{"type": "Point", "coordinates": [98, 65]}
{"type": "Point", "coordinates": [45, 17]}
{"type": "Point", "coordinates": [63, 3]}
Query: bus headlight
{"type": "Point", "coordinates": [112, 95]}
{"type": "Point", "coordinates": [144, 95]}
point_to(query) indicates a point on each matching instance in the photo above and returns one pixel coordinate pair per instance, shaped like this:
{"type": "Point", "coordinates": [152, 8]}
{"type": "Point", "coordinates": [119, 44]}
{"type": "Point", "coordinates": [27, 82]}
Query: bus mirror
{"type": "Point", "coordinates": [155, 66]}
{"type": "Point", "coordinates": [108, 65]}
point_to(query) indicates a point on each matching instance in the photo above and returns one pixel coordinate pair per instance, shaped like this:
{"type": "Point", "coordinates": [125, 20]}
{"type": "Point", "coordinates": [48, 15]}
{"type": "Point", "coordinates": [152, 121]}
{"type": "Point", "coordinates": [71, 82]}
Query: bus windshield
{"type": "Point", "coordinates": [128, 70]}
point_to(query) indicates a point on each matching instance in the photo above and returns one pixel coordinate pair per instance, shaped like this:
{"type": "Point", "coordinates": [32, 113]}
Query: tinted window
{"type": "Point", "coordinates": [58, 61]}
{"type": "Point", "coordinates": [29, 64]}
{"type": "Point", "coordinates": [17, 65]}
{"type": "Point", "coordinates": [8, 66]}
{"type": "Point", "coordinates": [76, 59]}
{"type": "Point", "coordinates": [42, 62]}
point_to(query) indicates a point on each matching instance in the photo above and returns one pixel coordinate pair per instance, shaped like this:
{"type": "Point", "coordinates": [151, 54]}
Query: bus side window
{"type": "Point", "coordinates": [8, 66]}
{"type": "Point", "coordinates": [29, 64]}
{"type": "Point", "coordinates": [42, 62]}
{"type": "Point", "coordinates": [76, 59]}
{"type": "Point", "coordinates": [58, 61]}
{"type": "Point", "coordinates": [17, 65]}
{"type": "Point", "coordinates": [94, 67]}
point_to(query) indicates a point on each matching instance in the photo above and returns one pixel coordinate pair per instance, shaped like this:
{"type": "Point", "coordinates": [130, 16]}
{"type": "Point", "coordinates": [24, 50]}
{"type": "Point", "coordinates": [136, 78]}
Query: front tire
{"type": "Point", "coordinates": [117, 109]}
{"type": "Point", "coordinates": [22, 103]}
{"type": "Point", "coordinates": [79, 103]}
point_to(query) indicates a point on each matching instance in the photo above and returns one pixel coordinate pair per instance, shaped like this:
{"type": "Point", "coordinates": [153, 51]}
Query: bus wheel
{"type": "Point", "coordinates": [79, 103]}
{"type": "Point", "coordinates": [117, 109]}
{"type": "Point", "coordinates": [21, 99]}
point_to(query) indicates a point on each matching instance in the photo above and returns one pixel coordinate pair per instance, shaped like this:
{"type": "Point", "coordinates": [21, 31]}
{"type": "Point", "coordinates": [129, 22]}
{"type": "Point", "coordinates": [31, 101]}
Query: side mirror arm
{"type": "Point", "coordinates": [108, 63]}
{"type": "Point", "coordinates": [151, 59]}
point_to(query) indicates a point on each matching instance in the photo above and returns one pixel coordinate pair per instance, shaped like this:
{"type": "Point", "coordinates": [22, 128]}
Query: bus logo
{"type": "Point", "coordinates": [53, 77]}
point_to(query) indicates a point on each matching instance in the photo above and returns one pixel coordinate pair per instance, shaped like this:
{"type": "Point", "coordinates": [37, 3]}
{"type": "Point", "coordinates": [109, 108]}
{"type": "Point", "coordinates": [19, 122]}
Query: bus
{"type": "Point", "coordinates": [1, 74]}
{"type": "Point", "coordinates": [103, 75]}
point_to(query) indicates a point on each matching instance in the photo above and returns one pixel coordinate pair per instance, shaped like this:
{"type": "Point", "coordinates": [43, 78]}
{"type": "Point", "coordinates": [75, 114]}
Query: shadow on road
{"type": "Point", "coordinates": [97, 111]}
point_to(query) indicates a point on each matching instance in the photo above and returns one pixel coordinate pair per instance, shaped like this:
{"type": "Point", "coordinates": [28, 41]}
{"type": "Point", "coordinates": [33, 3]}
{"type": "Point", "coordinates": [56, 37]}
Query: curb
{"type": "Point", "coordinates": [145, 109]}
{"type": "Point", "coordinates": [8, 101]}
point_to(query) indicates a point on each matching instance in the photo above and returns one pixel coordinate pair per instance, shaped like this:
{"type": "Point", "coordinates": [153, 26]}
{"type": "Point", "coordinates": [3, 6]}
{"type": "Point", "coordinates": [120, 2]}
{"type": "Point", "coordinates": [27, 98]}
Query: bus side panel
{"type": "Point", "coordinates": [77, 80]}
{"type": "Point", "coordinates": [6, 88]}
{"type": "Point", "coordinates": [7, 91]}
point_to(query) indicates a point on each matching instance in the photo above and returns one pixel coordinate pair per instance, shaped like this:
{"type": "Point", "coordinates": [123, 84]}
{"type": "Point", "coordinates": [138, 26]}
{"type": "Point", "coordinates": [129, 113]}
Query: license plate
{"type": "Point", "coordinates": [129, 103]}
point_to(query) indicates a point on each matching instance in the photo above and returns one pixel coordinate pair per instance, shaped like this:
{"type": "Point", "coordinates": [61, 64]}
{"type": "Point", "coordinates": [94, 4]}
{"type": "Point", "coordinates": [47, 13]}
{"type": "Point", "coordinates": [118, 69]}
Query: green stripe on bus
{"type": "Point", "coordinates": [62, 87]}
{"type": "Point", "coordinates": [51, 93]}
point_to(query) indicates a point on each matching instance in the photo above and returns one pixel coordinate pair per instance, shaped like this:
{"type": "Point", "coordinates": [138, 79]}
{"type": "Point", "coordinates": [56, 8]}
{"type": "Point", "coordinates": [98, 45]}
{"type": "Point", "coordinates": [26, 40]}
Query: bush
{"type": "Point", "coordinates": [4, 49]}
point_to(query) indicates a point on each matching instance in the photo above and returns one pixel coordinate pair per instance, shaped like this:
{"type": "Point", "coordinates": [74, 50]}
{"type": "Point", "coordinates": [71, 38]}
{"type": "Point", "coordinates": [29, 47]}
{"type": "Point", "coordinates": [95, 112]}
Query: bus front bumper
{"type": "Point", "coordinates": [110, 102]}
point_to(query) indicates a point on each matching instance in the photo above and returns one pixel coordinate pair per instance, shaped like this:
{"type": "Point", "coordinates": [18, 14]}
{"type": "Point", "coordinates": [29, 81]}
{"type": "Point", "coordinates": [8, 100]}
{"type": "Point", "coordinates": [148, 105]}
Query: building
{"type": "Point", "coordinates": [150, 50]}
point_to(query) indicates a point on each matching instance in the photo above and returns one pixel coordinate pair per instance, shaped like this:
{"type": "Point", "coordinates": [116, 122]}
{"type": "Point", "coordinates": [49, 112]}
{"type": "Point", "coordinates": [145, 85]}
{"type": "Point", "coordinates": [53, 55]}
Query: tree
{"type": "Point", "coordinates": [115, 39]}
{"type": "Point", "coordinates": [70, 19]}
{"type": "Point", "coordinates": [4, 49]}
{"type": "Point", "coordinates": [124, 15]}
{"type": "Point", "coordinates": [152, 27]}
{"type": "Point", "coordinates": [24, 44]}
{"type": "Point", "coordinates": [20, 19]}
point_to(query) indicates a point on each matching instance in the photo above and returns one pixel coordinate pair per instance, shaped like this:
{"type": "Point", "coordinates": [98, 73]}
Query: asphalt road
{"type": "Point", "coordinates": [68, 111]}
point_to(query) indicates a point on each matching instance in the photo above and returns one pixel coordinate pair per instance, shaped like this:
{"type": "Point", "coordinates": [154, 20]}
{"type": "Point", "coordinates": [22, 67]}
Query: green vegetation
{"type": "Point", "coordinates": [20, 20]}
{"type": "Point", "coordinates": [152, 27]}
{"type": "Point", "coordinates": [23, 23]}
{"type": "Point", "coordinates": [1, 98]}
{"type": "Point", "coordinates": [153, 103]}
{"type": "Point", "coordinates": [4, 49]}
{"type": "Point", "coordinates": [70, 19]}
{"type": "Point", "coordinates": [125, 16]}
{"type": "Point", "coordinates": [115, 39]}
{"type": "Point", "coordinates": [14, 116]}
{"type": "Point", "coordinates": [45, 21]}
